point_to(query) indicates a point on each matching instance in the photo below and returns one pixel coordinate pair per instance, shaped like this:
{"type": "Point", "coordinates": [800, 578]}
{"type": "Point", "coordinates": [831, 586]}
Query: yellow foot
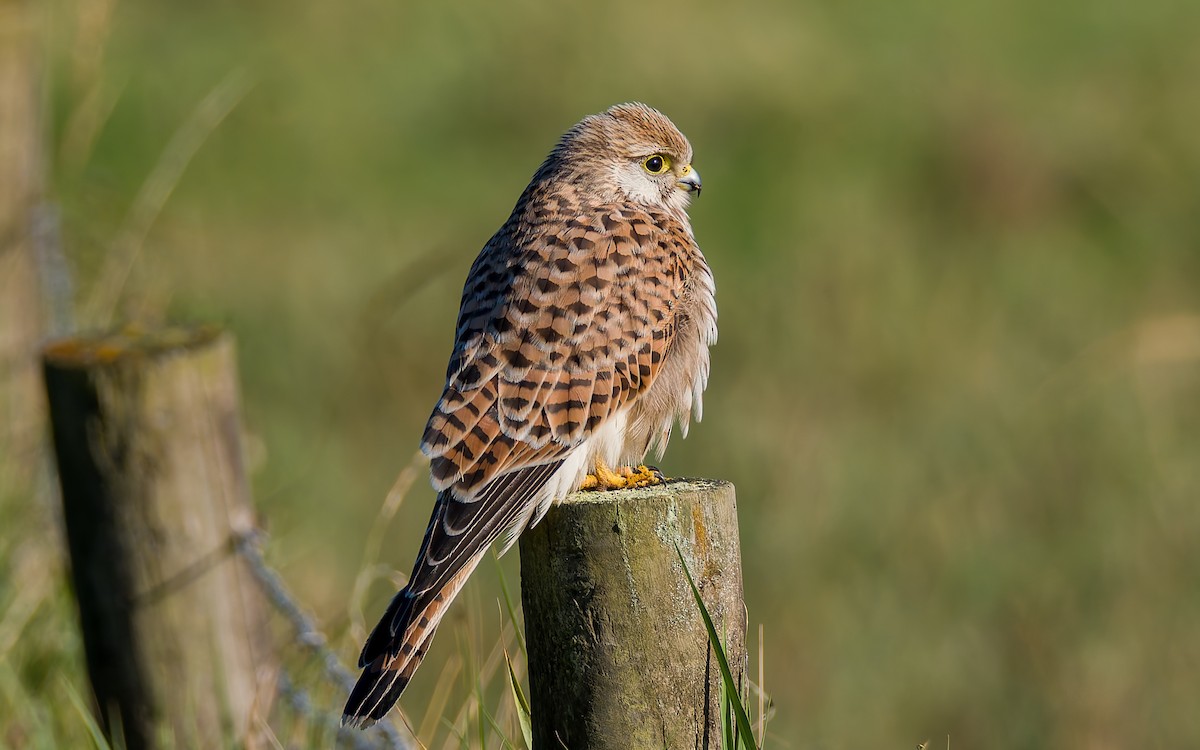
{"type": "Point", "coordinates": [604, 478]}
{"type": "Point", "coordinates": [642, 476]}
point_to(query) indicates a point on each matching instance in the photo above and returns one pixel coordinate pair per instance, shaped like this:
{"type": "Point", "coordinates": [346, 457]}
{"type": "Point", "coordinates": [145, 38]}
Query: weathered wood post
{"type": "Point", "coordinates": [618, 653]}
{"type": "Point", "coordinates": [147, 437]}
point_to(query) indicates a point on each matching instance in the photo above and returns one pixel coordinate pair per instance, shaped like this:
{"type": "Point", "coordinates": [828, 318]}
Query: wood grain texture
{"type": "Point", "coordinates": [618, 653]}
{"type": "Point", "coordinates": [147, 437]}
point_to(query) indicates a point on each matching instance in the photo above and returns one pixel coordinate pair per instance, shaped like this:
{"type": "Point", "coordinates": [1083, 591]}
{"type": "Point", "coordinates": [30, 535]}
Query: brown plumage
{"type": "Point", "coordinates": [582, 336]}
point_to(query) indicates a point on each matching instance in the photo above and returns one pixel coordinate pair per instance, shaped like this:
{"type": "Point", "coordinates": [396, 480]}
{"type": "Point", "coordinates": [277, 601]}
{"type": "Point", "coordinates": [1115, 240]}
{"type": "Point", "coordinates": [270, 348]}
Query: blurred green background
{"type": "Point", "coordinates": [957, 251]}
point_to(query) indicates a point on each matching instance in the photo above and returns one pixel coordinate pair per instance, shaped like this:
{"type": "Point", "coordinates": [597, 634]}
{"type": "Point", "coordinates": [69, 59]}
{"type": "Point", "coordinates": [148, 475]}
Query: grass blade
{"type": "Point", "coordinates": [508, 604]}
{"type": "Point", "coordinates": [89, 721]}
{"type": "Point", "coordinates": [523, 713]}
{"type": "Point", "coordinates": [744, 732]}
{"type": "Point", "coordinates": [728, 737]}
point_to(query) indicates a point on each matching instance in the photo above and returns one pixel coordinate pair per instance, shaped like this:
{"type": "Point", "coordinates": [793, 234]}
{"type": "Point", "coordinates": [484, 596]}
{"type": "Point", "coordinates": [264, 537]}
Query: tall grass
{"type": "Point", "coordinates": [736, 730]}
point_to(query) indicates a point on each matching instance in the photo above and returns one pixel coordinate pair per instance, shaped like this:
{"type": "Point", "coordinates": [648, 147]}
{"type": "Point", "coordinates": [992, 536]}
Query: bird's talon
{"type": "Point", "coordinates": [624, 477]}
{"type": "Point", "coordinates": [645, 476]}
{"type": "Point", "coordinates": [642, 476]}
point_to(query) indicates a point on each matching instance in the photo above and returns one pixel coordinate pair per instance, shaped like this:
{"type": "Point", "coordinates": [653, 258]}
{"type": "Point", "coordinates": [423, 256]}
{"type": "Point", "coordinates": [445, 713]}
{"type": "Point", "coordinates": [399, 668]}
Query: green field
{"type": "Point", "coordinates": [957, 252]}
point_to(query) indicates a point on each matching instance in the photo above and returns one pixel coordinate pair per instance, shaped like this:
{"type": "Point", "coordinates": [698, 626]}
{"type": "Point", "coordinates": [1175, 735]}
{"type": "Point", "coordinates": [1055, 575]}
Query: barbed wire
{"type": "Point", "coordinates": [57, 282]}
{"type": "Point", "coordinates": [247, 545]}
{"type": "Point", "coordinates": [297, 698]}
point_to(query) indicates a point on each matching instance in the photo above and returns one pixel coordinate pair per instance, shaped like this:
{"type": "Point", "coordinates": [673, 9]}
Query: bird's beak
{"type": "Point", "coordinates": [690, 180]}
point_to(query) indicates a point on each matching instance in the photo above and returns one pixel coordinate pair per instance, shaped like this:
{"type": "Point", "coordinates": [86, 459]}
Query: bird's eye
{"type": "Point", "coordinates": [657, 164]}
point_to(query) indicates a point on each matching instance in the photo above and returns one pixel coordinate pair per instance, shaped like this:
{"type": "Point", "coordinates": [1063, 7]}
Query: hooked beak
{"type": "Point", "coordinates": [690, 180]}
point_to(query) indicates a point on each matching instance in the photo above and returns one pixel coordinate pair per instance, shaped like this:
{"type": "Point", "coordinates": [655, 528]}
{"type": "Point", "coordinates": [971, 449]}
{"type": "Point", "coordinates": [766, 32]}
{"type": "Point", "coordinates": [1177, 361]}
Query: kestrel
{"type": "Point", "coordinates": [582, 337]}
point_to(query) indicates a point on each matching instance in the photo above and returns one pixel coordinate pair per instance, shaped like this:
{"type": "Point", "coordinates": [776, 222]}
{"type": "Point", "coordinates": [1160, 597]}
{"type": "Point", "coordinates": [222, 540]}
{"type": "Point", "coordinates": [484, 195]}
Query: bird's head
{"type": "Point", "coordinates": [630, 152]}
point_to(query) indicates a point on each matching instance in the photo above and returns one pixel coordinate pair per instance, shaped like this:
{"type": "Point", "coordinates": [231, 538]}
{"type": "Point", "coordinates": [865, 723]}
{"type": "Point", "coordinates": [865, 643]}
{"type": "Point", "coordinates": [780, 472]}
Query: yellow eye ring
{"type": "Point", "coordinates": [657, 164]}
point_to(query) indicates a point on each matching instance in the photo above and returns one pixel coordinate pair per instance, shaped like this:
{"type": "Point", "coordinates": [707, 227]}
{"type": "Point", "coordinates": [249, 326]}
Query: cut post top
{"type": "Point", "coordinates": [669, 488]}
{"type": "Point", "coordinates": [128, 342]}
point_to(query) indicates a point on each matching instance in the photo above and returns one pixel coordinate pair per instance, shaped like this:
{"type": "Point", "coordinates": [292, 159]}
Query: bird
{"type": "Point", "coordinates": [582, 338]}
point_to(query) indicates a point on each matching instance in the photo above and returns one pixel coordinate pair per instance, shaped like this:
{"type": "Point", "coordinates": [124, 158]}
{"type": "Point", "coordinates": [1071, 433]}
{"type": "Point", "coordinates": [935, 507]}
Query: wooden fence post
{"type": "Point", "coordinates": [618, 653]}
{"type": "Point", "coordinates": [147, 437]}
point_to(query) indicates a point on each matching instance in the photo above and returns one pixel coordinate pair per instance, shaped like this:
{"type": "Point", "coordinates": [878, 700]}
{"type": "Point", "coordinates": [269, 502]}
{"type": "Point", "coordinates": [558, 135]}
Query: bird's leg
{"type": "Point", "coordinates": [604, 478]}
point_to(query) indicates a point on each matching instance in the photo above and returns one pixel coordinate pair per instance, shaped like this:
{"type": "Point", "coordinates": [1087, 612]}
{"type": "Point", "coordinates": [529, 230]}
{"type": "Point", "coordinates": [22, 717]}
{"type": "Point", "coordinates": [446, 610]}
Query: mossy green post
{"type": "Point", "coordinates": [618, 652]}
{"type": "Point", "coordinates": [148, 441]}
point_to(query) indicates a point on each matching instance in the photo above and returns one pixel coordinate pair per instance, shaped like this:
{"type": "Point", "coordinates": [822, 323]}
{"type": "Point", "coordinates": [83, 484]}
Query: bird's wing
{"type": "Point", "coordinates": [563, 321]}
{"type": "Point", "coordinates": [567, 324]}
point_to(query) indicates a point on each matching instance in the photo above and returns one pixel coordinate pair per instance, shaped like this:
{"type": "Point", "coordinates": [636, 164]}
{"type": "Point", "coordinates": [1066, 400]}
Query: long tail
{"type": "Point", "coordinates": [458, 535]}
{"type": "Point", "coordinates": [389, 660]}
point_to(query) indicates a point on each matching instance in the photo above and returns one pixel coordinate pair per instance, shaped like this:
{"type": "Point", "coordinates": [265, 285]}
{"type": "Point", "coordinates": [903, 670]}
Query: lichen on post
{"type": "Point", "coordinates": [618, 653]}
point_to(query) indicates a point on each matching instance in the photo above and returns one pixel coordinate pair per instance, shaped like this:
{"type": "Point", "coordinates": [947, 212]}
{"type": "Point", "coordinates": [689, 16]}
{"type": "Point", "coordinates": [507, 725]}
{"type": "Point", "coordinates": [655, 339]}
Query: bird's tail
{"type": "Point", "coordinates": [396, 647]}
{"type": "Point", "coordinates": [458, 535]}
